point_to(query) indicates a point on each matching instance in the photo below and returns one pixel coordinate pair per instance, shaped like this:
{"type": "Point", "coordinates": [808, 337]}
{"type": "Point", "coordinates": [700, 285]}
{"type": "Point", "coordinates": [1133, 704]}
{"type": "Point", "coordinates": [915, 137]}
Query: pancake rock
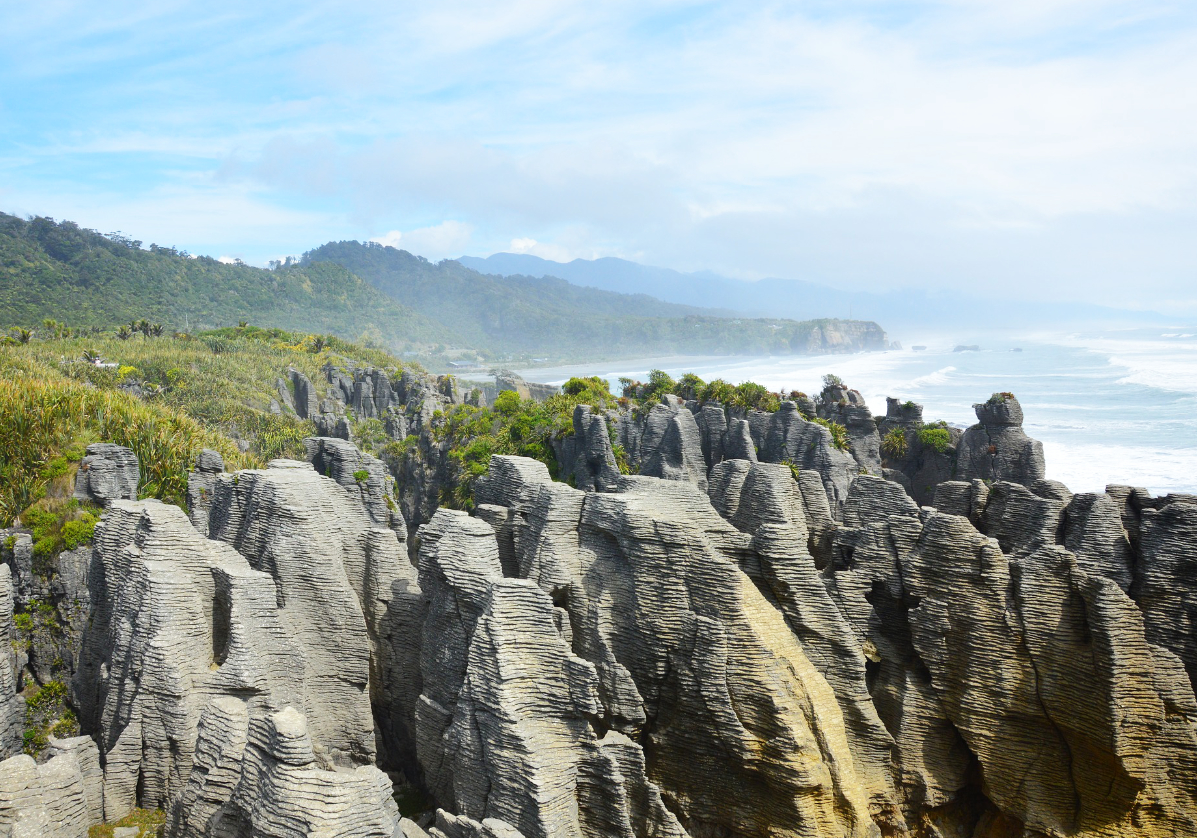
{"type": "Point", "coordinates": [108, 472]}
{"type": "Point", "coordinates": [997, 448]}
{"type": "Point", "coordinates": [258, 775]}
{"type": "Point", "coordinates": [740, 731]}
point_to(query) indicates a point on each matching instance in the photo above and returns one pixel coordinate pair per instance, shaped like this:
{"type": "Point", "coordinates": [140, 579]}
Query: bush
{"type": "Point", "coordinates": [936, 437]}
{"type": "Point", "coordinates": [718, 391]}
{"type": "Point", "coordinates": [46, 712]}
{"type": "Point", "coordinates": [361, 475]}
{"type": "Point", "coordinates": [591, 386]}
{"type": "Point", "coordinates": [1001, 398]}
{"type": "Point", "coordinates": [79, 532]}
{"type": "Point", "coordinates": [830, 380]}
{"type": "Point", "coordinates": [839, 434]}
{"type": "Point", "coordinates": [894, 444]}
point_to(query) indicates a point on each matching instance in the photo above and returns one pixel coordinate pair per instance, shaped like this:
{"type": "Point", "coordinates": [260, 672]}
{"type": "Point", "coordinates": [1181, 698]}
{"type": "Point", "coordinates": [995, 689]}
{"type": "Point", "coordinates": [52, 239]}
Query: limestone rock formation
{"type": "Point", "coordinates": [741, 731]}
{"type": "Point", "coordinates": [364, 477]}
{"type": "Point", "coordinates": [839, 403]}
{"type": "Point", "coordinates": [12, 706]}
{"type": "Point", "coordinates": [671, 446]}
{"type": "Point", "coordinates": [108, 472]}
{"type": "Point", "coordinates": [997, 448]}
{"type": "Point", "coordinates": [259, 776]}
{"type": "Point", "coordinates": [59, 798]}
{"type": "Point", "coordinates": [808, 446]}
{"type": "Point", "coordinates": [200, 484]}
{"type": "Point", "coordinates": [311, 619]}
{"type": "Point", "coordinates": [594, 467]}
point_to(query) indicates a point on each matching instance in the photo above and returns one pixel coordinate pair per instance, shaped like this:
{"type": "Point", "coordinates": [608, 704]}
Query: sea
{"type": "Point", "coordinates": [1110, 407]}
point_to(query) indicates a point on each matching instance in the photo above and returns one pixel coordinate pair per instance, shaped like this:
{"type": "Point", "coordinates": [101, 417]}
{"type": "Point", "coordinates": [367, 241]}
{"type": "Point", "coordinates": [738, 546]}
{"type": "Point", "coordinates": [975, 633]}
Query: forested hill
{"type": "Point", "coordinates": [56, 269]}
{"type": "Point", "coordinates": [550, 316]}
{"type": "Point", "coordinates": [59, 270]}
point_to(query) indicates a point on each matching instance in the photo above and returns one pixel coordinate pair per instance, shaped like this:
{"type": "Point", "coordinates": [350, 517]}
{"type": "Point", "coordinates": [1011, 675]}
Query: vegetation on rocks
{"type": "Point", "coordinates": [936, 436]}
{"type": "Point", "coordinates": [47, 714]}
{"type": "Point", "coordinates": [149, 823]}
{"type": "Point", "coordinates": [894, 443]}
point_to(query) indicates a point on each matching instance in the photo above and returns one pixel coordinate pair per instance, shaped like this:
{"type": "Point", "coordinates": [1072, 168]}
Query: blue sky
{"type": "Point", "coordinates": [1035, 148]}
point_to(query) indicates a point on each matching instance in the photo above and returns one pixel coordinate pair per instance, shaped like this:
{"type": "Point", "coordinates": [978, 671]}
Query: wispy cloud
{"type": "Point", "coordinates": [1047, 145]}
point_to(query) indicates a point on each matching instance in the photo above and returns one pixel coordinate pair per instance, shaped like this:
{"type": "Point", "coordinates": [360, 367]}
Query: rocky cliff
{"type": "Point", "coordinates": [785, 624]}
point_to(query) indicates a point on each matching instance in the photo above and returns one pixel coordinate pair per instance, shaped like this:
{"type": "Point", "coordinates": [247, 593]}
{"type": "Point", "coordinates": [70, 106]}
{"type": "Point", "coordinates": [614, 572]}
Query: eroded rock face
{"type": "Point", "coordinates": [258, 775]}
{"type": "Point", "coordinates": [108, 472]}
{"type": "Point", "coordinates": [51, 800]}
{"type": "Point", "coordinates": [997, 448]}
{"type": "Point", "coordinates": [363, 476]}
{"type": "Point", "coordinates": [200, 484]}
{"type": "Point", "coordinates": [310, 612]}
{"type": "Point", "coordinates": [742, 733]}
{"type": "Point", "coordinates": [12, 706]}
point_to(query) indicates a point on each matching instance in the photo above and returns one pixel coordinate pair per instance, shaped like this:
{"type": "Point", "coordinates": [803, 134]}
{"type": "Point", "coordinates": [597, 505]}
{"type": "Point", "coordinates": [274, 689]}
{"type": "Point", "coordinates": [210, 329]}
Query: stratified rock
{"type": "Point", "coordinates": [808, 446]}
{"type": "Point", "coordinates": [348, 595]}
{"type": "Point", "coordinates": [459, 560]}
{"type": "Point", "coordinates": [280, 788]}
{"type": "Point", "coordinates": [162, 622]}
{"type": "Point", "coordinates": [200, 483]}
{"type": "Point", "coordinates": [460, 826]}
{"type": "Point", "coordinates": [1064, 706]}
{"type": "Point", "coordinates": [108, 472]}
{"type": "Point", "coordinates": [323, 619]}
{"type": "Point", "coordinates": [44, 801]}
{"type": "Point", "coordinates": [712, 425]}
{"type": "Point", "coordinates": [363, 476]}
{"type": "Point", "coordinates": [1164, 586]}
{"type": "Point", "coordinates": [1093, 532]}
{"type": "Point", "coordinates": [846, 406]}
{"type": "Point", "coordinates": [671, 447]}
{"type": "Point", "coordinates": [305, 402]}
{"type": "Point", "coordinates": [83, 752]}
{"type": "Point", "coordinates": [12, 706]}
{"type": "Point", "coordinates": [737, 443]}
{"type": "Point", "coordinates": [520, 744]}
{"type": "Point", "coordinates": [997, 448]}
{"type": "Point", "coordinates": [594, 467]}
{"type": "Point", "coordinates": [765, 501]}
{"type": "Point", "coordinates": [741, 732]}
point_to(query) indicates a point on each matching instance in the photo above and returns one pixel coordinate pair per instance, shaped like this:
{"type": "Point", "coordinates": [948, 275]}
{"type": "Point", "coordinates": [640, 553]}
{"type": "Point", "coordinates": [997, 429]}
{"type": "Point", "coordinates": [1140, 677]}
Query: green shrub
{"type": "Point", "coordinates": [839, 434]}
{"type": "Point", "coordinates": [590, 386]}
{"type": "Point", "coordinates": [80, 531]}
{"type": "Point", "coordinates": [46, 712]}
{"type": "Point", "coordinates": [719, 391]}
{"type": "Point", "coordinates": [361, 475]}
{"type": "Point", "coordinates": [894, 444]}
{"type": "Point", "coordinates": [830, 380]}
{"type": "Point", "coordinates": [936, 437]}
{"type": "Point", "coordinates": [1001, 398]}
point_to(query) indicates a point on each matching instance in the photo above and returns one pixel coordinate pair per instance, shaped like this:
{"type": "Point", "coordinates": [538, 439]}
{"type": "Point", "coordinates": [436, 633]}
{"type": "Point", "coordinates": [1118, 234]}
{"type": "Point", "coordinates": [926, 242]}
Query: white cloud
{"type": "Point", "coordinates": [1047, 146]}
{"type": "Point", "coordinates": [442, 241]}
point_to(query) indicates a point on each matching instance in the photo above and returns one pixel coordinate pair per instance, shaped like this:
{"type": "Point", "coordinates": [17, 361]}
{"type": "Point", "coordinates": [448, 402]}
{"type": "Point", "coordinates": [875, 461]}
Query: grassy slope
{"type": "Point", "coordinates": [211, 391]}
{"type": "Point", "coordinates": [58, 270]}
{"type": "Point", "coordinates": [550, 316]}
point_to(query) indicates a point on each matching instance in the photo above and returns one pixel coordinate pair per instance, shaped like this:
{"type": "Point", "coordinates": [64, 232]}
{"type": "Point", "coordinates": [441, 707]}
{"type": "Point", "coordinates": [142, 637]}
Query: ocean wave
{"type": "Point", "coordinates": [1090, 468]}
{"type": "Point", "coordinates": [940, 376]}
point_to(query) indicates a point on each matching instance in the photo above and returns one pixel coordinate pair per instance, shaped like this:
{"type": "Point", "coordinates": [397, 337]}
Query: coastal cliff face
{"type": "Point", "coordinates": [773, 629]}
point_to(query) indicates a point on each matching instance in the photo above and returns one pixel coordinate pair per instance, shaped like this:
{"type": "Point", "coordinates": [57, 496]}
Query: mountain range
{"type": "Point", "coordinates": [899, 309]}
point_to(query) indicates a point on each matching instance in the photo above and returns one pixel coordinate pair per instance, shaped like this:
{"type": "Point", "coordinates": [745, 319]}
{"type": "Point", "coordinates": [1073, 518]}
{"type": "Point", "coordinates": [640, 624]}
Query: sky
{"type": "Point", "coordinates": [1028, 149]}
